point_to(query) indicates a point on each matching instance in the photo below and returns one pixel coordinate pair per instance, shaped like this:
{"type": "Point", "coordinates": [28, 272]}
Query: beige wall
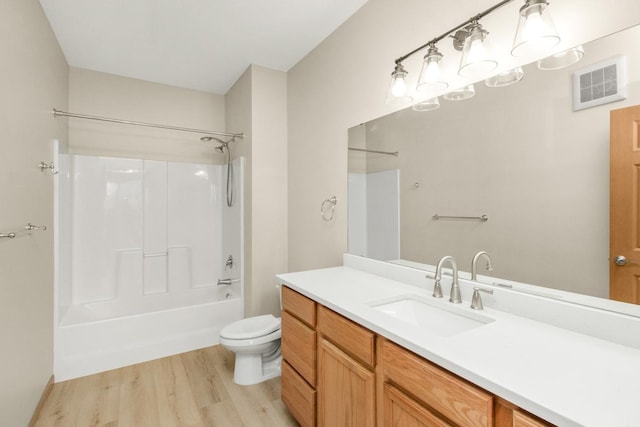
{"type": "Point", "coordinates": [256, 105]}
{"type": "Point", "coordinates": [269, 187]}
{"type": "Point", "coordinates": [107, 95]}
{"type": "Point", "coordinates": [342, 83]}
{"type": "Point", "coordinates": [34, 81]}
{"type": "Point", "coordinates": [239, 117]}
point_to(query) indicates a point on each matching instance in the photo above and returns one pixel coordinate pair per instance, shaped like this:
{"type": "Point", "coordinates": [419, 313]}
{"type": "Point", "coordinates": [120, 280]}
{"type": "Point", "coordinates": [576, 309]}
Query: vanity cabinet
{"type": "Point", "coordinates": [299, 352]}
{"type": "Point", "coordinates": [337, 373]}
{"type": "Point", "coordinates": [346, 376]}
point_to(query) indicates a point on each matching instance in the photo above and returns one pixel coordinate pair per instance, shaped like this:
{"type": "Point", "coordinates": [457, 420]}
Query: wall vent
{"type": "Point", "coordinates": [600, 83]}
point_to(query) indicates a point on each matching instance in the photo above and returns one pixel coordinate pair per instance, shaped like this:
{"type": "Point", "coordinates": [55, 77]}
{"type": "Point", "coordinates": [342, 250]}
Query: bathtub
{"type": "Point", "coordinates": [93, 338]}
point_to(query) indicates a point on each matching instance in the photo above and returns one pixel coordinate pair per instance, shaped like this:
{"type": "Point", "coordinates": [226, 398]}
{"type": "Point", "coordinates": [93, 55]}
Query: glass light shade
{"type": "Point", "coordinates": [428, 105]}
{"type": "Point", "coordinates": [476, 56]}
{"type": "Point", "coordinates": [536, 33]}
{"type": "Point", "coordinates": [431, 74]}
{"type": "Point", "coordinates": [461, 94]}
{"type": "Point", "coordinates": [505, 78]}
{"type": "Point", "coordinates": [397, 94]}
{"type": "Point", "coordinates": [562, 59]}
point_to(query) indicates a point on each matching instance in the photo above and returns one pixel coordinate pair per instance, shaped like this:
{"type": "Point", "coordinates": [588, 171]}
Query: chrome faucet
{"type": "Point", "coordinates": [454, 296]}
{"type": "Point", "coordinates": [474, 263]}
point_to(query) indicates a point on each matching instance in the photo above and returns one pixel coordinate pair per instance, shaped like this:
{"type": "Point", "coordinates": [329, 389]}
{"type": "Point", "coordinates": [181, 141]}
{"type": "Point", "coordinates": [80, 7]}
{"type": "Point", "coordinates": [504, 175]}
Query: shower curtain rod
{"type": "Point", "coordinates": [57, 113]}
{"type": "Point", "coordinates": [364, 150]}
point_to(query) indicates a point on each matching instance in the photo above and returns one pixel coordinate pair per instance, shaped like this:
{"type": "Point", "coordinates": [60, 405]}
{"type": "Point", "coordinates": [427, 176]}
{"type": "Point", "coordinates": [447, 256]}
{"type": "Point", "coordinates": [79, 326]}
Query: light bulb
{"type": "Point", "coordinates": [432, 71]}
{"type": "Point", "coordinates": [536, 33]}
{"type": "Point", "coordinates": [399, 87]}
{"type": "Point", "coordinates": [431, 74]}
{"type": "Point", "coordinates": [476, 60]}
{"type": "Point", "coordinates": [397, 93]}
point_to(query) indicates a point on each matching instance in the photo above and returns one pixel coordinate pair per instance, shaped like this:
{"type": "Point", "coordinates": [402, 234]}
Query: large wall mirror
{"type": "Point", "coordinates": [520, 155]}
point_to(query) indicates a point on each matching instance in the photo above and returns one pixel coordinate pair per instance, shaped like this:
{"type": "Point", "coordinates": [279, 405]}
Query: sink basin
{"type": "Point", "coordinates": [437, 317]}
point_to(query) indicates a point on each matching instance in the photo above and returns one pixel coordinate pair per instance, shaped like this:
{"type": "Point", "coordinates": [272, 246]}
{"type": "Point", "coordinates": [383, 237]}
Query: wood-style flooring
{"type": "Point", "coordinates": [189, 389]}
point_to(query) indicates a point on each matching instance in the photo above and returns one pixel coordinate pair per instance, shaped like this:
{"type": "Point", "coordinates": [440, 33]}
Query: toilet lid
{"type": "Point", "coordinates": [251, 327]}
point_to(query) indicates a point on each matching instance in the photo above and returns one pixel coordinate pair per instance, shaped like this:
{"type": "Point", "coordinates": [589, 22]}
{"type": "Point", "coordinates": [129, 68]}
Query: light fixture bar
{"type": "Point", "coordinates": [464, 24]}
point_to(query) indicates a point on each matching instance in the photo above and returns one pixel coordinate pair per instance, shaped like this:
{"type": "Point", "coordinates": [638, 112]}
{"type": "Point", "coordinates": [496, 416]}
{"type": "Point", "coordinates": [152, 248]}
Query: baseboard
{"type": "Point", "coordinates": [45, 394]}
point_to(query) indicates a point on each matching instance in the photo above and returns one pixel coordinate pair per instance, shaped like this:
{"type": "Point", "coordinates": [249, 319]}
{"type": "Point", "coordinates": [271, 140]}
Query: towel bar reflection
{"type": "Point", "coordinates": [483, 218]}
{"type": "Point", "coordinates": [27, 228]}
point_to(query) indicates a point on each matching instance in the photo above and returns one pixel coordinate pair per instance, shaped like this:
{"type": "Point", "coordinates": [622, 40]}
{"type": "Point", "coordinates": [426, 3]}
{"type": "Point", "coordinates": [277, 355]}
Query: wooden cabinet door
{"type": "Point", "coordinates": [402, 411]}
{"type": "Point", "coordinates": [346, 389]}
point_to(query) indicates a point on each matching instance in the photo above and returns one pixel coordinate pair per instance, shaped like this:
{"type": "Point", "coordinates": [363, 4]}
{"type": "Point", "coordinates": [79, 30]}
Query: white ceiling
{"type": "Point", "coordinates": [197, 44]}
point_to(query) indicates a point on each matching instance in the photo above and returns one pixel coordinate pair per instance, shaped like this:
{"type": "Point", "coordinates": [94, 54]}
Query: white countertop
{"type": "Point", "coordinates": [564, 377]}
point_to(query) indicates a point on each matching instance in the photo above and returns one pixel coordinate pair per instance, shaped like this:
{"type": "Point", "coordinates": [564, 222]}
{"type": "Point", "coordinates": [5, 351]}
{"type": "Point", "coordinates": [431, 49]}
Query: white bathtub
{"type": "Point", "coordinates": [86, 346]}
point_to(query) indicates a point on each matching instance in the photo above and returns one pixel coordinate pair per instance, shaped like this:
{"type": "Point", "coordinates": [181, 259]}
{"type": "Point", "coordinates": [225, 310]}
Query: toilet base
{"type": "Point", "coordinates": [250, 369]}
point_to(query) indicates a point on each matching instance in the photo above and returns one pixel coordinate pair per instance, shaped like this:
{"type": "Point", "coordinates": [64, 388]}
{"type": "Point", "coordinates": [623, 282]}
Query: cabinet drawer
{"type": "Point", "coordinates": [459, 401]}
{"type": "Point", "coordinates": [299, 347]}
{"type": "Point", "coordinates": [506, 414]}
{"type": "Point", "coordinates": [520, 419]}
{"type": "Point", "coordinates": [352, 338]}
{"type": "Point", "coordinates": [298, 396]}
{"type": "Point", "coordinates": [402, 411]}
{"type": "Point", "coordinates": [299, 305]}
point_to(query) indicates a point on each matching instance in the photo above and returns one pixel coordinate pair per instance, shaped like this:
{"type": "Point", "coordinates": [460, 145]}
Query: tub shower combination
{"type": "Point", "coordinates": [141, 248]}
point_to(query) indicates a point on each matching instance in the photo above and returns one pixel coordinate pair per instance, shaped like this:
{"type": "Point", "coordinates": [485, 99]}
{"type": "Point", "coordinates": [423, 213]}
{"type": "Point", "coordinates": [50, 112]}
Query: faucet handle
{"type": "Point", "coordinates": [476, 300]}
{"type": "Point", "coordinates": [437, 289]}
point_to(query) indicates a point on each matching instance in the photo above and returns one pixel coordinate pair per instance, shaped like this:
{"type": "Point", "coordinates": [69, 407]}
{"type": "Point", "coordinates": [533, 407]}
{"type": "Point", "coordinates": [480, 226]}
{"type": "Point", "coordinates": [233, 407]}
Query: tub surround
{"type": "Point", "coordinates": [570, 369]}
{"type": "Point", "coordinates": [142, 244]}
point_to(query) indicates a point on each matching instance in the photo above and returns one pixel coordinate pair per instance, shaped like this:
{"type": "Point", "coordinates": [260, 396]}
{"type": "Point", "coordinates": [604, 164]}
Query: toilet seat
{"type": "Point", "coordinates": [251, 328]}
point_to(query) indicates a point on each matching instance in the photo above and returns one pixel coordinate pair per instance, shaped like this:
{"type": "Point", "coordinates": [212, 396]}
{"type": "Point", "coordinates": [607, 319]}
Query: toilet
{"type": "Point", "coordinates": [256, 343]}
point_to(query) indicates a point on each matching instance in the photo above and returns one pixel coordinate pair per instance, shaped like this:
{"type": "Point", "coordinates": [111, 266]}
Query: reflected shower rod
{"type": "Point", "coordinates": [366, 150]}
{"type": "Point", "coordinates": [57, 113]}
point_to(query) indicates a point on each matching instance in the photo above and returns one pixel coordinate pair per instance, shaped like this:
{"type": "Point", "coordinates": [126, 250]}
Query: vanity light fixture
{"type": "Point", "coordinates": [505, 78]}
{"type": "Point", "coordinates": [460, 94]}
{"type": "Point", "coordinates": [428, 105]}
{"type": "Point", "coordinates": [536, 33]}
{"type": "Point", "coordinates": [474, 60]}
{"type": "Point", "coordinates": [561, 59]}
{"type": "Point", "coordinates": [431, 74]}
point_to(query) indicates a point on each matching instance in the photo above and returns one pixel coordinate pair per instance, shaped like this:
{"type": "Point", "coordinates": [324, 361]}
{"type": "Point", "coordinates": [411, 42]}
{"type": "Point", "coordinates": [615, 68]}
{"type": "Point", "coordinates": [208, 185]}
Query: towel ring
{"type": "Point", "coordinates": [328, 208]}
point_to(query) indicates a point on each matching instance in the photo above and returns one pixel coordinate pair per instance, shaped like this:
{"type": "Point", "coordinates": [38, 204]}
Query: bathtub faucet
{"type": "Point", "coordinates": [227, 281]}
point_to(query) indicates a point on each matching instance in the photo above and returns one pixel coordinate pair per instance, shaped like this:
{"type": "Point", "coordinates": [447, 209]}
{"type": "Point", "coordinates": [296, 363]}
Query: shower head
{"type": "Point", "coordinates": [213, 138]}
{"type": "Point", "coordinates": [223, 144]}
